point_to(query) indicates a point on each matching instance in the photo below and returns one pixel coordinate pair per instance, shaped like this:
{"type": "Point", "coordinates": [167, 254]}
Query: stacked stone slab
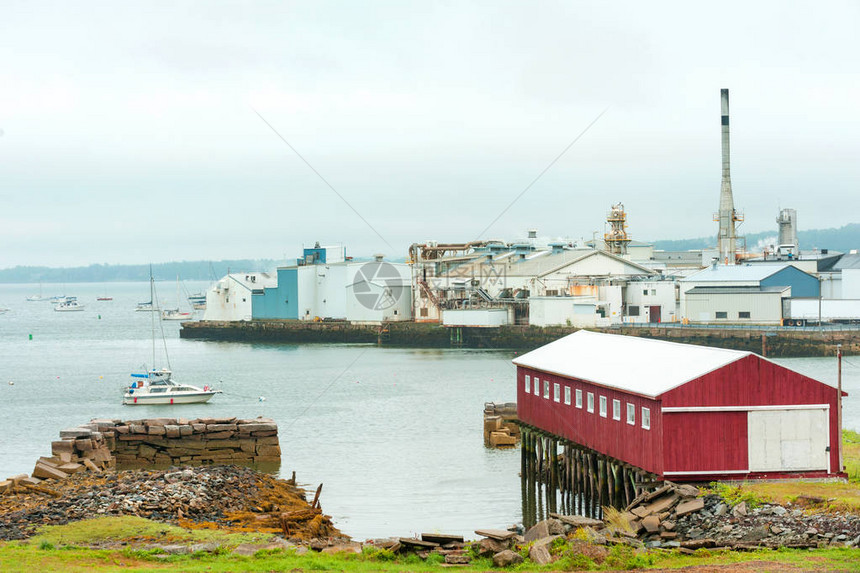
{"type": "Point", "coordinates": [500, 425]}
{"type": "Point", "coordinates": [178, 441]}
{"type": "Point", "coordinates": [103, 444]}
{"type": "Point", "coordinates": [79, 449]}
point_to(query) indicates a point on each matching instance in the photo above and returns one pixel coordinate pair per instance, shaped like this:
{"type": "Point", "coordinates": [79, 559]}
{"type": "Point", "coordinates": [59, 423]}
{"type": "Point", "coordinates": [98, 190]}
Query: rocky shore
{"type": "Point", "coordinates": [226, 497]}
{"type": "Point", "coordinates": [233, 498]}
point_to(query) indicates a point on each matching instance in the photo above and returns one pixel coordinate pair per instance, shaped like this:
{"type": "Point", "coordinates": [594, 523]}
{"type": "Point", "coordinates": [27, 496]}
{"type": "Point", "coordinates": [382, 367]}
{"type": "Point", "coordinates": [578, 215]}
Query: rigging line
{"type": "Point", "coordinates": [318, 174]}
{"type": "Point", "coordinates": [330, 384]}
{"type": "Point", "coordinates": [157, 309]}
{"type": "Point", "coordinates": [541, 174]}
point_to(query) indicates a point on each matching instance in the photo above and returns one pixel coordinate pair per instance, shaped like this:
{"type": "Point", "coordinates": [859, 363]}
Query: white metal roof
{"type": "Point", "coordinates": [628, 363]}
{"type": "Point", "coordinates": [735, 273]}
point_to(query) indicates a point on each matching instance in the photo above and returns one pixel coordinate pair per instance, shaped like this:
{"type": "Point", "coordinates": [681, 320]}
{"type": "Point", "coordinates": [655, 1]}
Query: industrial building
{"type": "Point", "coordinates": [231, 297]}
{"type": "Point", "coordinates": [748, 293]}
{"type": "Point", "coordinates": [681, 412]}
{"type": "Point", "coordinates": [324, 284]}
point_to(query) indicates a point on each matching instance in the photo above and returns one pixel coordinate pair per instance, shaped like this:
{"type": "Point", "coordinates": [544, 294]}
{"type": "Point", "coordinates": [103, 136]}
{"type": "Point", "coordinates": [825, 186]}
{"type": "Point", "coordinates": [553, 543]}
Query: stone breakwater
{"type": "Point", "coordinates": [162, 442]}
{"type": "Point", "coordinates": [159, 442]}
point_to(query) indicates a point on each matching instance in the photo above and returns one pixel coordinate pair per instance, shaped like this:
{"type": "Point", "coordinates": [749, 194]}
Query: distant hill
{"type": "Point", "coordinates": [187, 270]}
{"type": "Point", "coordinates": [842, 239]}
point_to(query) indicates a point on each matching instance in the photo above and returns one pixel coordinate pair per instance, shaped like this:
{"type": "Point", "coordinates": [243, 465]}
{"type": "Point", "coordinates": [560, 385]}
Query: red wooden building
{"type": "Point", "coordinates": [682, 412]}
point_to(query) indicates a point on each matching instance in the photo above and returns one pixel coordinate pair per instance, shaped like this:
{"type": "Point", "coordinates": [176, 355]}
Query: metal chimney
{"type": "Point", "coordinates": [727, 216]}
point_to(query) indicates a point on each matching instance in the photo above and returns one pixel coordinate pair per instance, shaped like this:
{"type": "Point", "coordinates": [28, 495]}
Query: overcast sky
{"type": "Point", "coordinates": [129, 132]}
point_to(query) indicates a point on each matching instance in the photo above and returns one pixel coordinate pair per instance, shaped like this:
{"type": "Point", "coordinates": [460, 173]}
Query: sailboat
{"type": "Point", "coordinates": [158, 386]}
{"type": "Point", "coordinates": [175, 313]}
{"type": "Point", "coordinates": [36, 297]}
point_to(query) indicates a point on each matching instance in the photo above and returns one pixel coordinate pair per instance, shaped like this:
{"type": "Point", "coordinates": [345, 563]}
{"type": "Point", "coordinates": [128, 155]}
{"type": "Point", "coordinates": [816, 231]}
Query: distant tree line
{"type": "Point", "coordinates": [186, 270]}
{"type": "Point", "coordinates": [842, 239]}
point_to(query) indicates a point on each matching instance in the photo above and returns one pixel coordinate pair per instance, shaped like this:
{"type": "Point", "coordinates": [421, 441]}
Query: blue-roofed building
{"type": "Point", "coordinates": [748, 293]}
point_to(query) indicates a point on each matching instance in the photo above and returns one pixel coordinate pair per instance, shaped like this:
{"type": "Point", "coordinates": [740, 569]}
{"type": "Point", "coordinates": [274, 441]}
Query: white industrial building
{"type": "Point", "coordinates": [230, 298]}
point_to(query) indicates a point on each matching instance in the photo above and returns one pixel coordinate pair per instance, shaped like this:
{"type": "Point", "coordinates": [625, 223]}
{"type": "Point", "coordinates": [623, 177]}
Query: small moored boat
{"type": "Point", "coordinates": [158, 387]}
{"type": "Point", "coordinates": [175, 314]}
{"type": "Point", "coordinates": [70, 304]}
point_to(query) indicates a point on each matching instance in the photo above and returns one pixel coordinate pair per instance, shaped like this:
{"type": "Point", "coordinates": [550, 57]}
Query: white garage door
{"type": "Point", "coordinates": [788, 440]}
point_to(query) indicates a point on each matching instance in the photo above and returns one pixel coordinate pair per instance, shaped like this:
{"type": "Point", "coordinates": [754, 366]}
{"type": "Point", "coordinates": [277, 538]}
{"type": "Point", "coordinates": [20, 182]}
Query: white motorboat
{"type": "Point", "coordinates": [175, 314]}
{"type": "Point", "coordinates": [158, 387]}
{"type": "Point", "coordinates": [70, 304]}
{"type": "Point", "coordinates": [145, 307]}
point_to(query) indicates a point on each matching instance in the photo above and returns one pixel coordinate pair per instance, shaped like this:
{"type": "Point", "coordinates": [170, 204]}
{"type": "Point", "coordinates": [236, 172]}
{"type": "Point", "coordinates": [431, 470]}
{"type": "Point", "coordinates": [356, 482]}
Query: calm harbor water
{"type": "Point", "coordinates": [395, 435]}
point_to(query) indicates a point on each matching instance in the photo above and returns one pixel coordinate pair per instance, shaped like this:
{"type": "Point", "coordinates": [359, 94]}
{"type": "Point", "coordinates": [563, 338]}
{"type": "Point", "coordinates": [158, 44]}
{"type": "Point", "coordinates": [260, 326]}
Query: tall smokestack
{"type": "Point", "coordinates": [727, 215]}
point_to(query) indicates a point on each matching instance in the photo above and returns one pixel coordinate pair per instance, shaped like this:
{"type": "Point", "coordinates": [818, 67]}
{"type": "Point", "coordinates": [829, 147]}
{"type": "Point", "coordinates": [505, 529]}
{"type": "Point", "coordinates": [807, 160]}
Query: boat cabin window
{"type": "Point", "coordinates": [157, 390]}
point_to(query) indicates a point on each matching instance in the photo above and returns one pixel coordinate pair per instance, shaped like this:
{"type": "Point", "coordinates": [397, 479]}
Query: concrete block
{"type": "Point", "coordinates": [492, 423]}
{"type": "Point", "coordinates": [198, 428]}
{"type": "Point", "coordinates": [65, 457]}
{"type": "Point", "coordinates": [102, 455]}
{"type": "Point", "coordinates": [651, 523]}
{"type": "Point", "coordinates": [222, 444]}
{"type": "Point", "coordinates": [52, 461]}
{"type": "Point", "coordinates": [186, 429]}
{"type": "Point", "coordinates": [269, 450]}
{"type": "Point", "coordinates": [220, 427]}
{"type": "Point", "coordinates": [31, 481]}
{"type": "Point", "coordinates": [497, 534]}
{"type": "Point", "coordinates": [249, 428]}
{"type": "Point", "coordinates": [48, 472]}
{"type": "Point", "coordinates": [264, 434]}
{"type": "Point", "coordinates": [146, 451]}
{"type": "Point", "coordinates": [76, 433]}
{"type": "Point", "coordinates": [71, 468]}
{"type": "Point", "coordinates": [690, 506]}
{"type": "Point", "coordinates": [219, 435]}
{"type": "Point", "coordinates": [62, 446]}
{"type": "Point", "coordinates": [5, 485]}
{"type": "Point", "coordinates": [83, 445]}
{"type": "Point", "coordinates": [171, 431]}
{"type": "Point", "coordinates": [502, 439]}
{"type": "Point", "coordinates": [155, 430]}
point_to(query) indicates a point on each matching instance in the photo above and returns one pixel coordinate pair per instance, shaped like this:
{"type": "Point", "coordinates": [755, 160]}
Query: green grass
{"type": "Point", "coordinates": [59, 548]}
{"type": "Point", "coordinates": [737, 493]}
{"type": "Point", "coordinates": [106, 529]}
{"type": "Point", "coordinates": [851, 455]}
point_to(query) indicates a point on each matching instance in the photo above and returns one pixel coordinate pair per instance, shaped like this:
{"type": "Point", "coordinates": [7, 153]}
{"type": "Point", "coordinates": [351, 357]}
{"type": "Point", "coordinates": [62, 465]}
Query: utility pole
{"type": "Point", "coordinates": [820, 326]}
{"type": "Point", "coordinates": [839, 400]}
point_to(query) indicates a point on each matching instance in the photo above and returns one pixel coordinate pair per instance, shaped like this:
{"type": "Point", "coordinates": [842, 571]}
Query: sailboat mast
{"type": "Point", "coordinates": [152, 313]}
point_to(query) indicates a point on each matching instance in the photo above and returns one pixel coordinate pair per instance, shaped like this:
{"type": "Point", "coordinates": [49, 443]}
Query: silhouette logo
{"type": "Point", "coordinates": [377, 285]}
